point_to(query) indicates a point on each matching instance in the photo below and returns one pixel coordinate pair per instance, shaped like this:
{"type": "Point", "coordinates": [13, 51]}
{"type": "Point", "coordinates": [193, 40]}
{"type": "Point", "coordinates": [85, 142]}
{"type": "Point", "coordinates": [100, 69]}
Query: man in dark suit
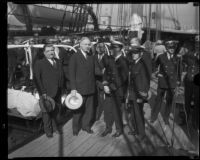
{"type": "Point", "coordinates": [191, 61]}
{"type": "Point", "coordinates": [115, 81]}
{"type": "Point", "coordinates": [139, 85]}
{"type": "Point", "coordinates": [82, 80]}
{"type": "Point", "coordinates": [99, 58]}
{"type": "Point", "coordinates": [49, 81]}
{"type": "Point", "coordinates": [168, 79]}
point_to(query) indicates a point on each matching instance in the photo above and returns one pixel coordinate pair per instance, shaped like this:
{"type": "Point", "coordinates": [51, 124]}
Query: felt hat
{"type": "Point", "coordinates": [136, 49]}
{"type": "Point", "coordinates": [116, 44]}
{"type": "Point", "coordinates": [73, 102]}
{"type": "Point", "coordinates": [47, 105]}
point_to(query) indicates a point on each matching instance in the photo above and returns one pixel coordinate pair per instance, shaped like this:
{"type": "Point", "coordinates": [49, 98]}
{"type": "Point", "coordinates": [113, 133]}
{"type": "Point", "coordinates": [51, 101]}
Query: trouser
{"type": "Point", "coordinates": [158, 103]}
{"type": "Point", "coordinates": [189, 96]}
{"type": "Point", "coordinates": [195, 117]}
{"type": "Point", "coordinates": [82, 117]}
{"type": "Point", "coordinates": [137, 117]}
{"type": "Point", "coordinates": [99, 108]}
{"type": "Point", "coordinates": [50, 120]}
{"type": "Point", "coordinates": [112, 112]}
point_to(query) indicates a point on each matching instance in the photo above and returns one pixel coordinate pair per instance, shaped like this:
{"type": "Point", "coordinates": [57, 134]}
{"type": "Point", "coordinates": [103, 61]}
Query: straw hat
{"type": "Point", "coordinates": [73, 102]}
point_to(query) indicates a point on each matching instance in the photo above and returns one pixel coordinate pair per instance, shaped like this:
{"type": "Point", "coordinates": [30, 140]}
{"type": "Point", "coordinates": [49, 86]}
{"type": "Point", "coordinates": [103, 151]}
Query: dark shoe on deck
{"type": "Point", "coordinates": [90, 131]}
{"type": "Point", "coordinates": [106, 132]}
{"type": "Point", "coordinates": [117, 134]}
{"type": "Point", "coordinates": [49, 135]}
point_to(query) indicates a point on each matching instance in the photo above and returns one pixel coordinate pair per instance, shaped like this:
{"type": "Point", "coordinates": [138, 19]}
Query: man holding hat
{"type": "Point", "coordinates": [49, 81]}
{"type": "Point", "coordinates": [139, 85]}
{"type": "Point", "coordinates": [168, 79]}
{"type": "Point", "coordinates": [82, 80]}
{"type": "Point", "coordinates": [100, 57]}
{"type": "Point", "coordinates": [115, 81]}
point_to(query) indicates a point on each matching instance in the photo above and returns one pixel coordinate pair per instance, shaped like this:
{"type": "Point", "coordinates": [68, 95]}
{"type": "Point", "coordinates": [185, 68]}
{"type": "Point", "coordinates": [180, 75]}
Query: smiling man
{"type": "Point", "coordinates": [49, 81]}
{"type": "Point", "coordinates": [82, 80]}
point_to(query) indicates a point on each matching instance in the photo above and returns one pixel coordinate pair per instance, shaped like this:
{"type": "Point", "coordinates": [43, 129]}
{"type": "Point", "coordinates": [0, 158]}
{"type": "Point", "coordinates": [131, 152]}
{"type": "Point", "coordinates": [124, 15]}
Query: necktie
{"type": "Point", "coordinates": [86, 55]}
{"type": "Point", "coordinates": [54, 63]}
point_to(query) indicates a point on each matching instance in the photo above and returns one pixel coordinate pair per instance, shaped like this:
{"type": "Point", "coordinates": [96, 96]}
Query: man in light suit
{"type": "Point", "coordinates": [82, 80]}
{"type": "Point", "coordinates": [49, 81]}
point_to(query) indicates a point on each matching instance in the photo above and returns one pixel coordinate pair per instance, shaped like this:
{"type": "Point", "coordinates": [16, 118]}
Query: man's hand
{"type": "Point", "coordinates": [183, 76]}
{"type": "Point", "coordinates": [73, 92]}
{"type": "Point", "coordinates": [44, 96]}
{"type": "Point", "coordinates": [139, 100]}
{"type": "Point", "coordinates": [106, 89]}
{"type": "Point", "coordinates": [178, 83]}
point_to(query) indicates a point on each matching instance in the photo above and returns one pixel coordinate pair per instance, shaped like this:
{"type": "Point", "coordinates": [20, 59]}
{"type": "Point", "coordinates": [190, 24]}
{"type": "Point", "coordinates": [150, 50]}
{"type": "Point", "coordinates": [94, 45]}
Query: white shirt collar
{"type": "Point", "coordinates": [100, 56]}
{"type": "Point", "coordinates": [116, 58]}
{"type": "Point", "coordinates": [169, 55]}
{"type": "Point", "coordinates": [84, 54]}
{"type": "Point", "coordinates": [51, 61]}
{"type": "Point", "coordinates": [137, 60]}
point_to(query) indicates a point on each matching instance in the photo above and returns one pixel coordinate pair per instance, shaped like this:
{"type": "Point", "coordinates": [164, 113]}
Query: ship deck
{"type": "Point", "coordinates": [86, 145]}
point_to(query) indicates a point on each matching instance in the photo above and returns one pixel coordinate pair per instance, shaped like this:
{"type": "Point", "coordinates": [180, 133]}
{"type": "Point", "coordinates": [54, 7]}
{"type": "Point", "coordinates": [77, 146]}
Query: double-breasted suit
{"type": "Point", "coordinates": [167, 81]}
{"type": "Point", "coordinates": [115, 77]}
{"type": "Point", "coordinates": [99, 79]}
{"type": "Point", "coordinates": [82, 79]}
{"type": "Point", "coordinates": [191, 61]}
{"type": "Point", "coordinates": [140, 73]}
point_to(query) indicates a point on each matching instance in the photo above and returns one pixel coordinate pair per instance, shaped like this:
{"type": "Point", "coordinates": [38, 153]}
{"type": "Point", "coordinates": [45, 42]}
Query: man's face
{"type": "Point", "coordinates": [115, 50]}
{"type": "Point", "coordinates": [171, 50]}
{"type": "Point", "coordinates": [135, 56]}
{"type": "Point", "coordinates": [85, 45]}
{"type": "Point", "coordinates": [101, 48]}
{"type": "Point", "coordinates": [49, 52]}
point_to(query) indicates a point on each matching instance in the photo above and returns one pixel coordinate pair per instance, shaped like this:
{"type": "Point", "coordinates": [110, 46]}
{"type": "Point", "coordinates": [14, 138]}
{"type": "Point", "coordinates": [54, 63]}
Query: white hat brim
{"type": "Point", "coordinates": [78, 102]}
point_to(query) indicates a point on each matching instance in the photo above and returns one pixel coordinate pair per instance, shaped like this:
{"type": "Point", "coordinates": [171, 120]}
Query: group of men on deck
{"type": "Point", "coordinates": [117, 82]}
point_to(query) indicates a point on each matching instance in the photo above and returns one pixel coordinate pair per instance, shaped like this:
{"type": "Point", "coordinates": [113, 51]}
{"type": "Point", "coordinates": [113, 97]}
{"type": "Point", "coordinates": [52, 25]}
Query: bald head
{"type": "Point", "coordinates": [85, 44]}
{"type": "Point", "coordinates": [135, 41]}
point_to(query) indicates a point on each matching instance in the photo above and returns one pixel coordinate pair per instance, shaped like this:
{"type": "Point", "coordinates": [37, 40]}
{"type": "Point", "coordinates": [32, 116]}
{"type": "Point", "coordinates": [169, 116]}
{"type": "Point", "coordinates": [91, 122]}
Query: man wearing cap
{"type": "Point", "coordinates": [115, 81]}
{"type": "Point", "coordinates": [139, 85]}
{"type": "Point", "coordinates": [168, 80]}
{"type": "Point", "coordinates": [191, 61]}
{"type": "Point", "coordinates": [82, 80]}
{"type": "Point", "coordinates": [49, 81]}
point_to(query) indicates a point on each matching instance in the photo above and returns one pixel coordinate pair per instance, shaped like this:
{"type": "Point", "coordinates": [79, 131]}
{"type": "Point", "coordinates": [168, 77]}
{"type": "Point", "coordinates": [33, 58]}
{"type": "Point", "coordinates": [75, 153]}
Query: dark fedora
{"type": "Point", "coordinates": [136, 49]}
{"type": "Point", "coordinates": [47, 105]}
{"type": "Point", "coordinates": [116, 44]}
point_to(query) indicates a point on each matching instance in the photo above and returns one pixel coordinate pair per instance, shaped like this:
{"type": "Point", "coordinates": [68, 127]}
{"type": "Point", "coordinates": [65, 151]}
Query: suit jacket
{"type": "Point", "coordinates": [48, 79]}
{"type": "Point", "coordinates": [64, 56]}
{"type": "Point", "coordinates": [168, 71]}
{"type": "Point", "coordinates": [139, 79]}
{"type": "Point", "coordinates": [192, 65]}
{"type": "Point", "coordinates": [99, 65]}
{"type": "Point", "coordinates": [116, 75]}
{"type": "Point", "coordinates": [82, 73]}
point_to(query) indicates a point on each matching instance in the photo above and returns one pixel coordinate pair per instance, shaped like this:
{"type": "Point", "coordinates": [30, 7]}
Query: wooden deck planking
{"type": "Point", "coordinates": [94, 145]}
{"type": "Point", "coordinates": [91, 141]}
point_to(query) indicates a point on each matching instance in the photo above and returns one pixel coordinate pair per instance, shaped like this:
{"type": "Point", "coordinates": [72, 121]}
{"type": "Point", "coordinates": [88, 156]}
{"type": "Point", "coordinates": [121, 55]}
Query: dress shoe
{"type": "Point", "coordinates": [117, 134]}
{"type": "Point", "coordinates": [152, 121]}
{"type": "Point", "coordinates": [105, 133]}
{"type": "Point", "coordinates": [49, 135]}
{"type": "Point", "coordinates": [166, 122]}
{"type": "Point", "coordinates": [88, 131]}
{"type": "Point", "coordinates": [132, 133]}
{"type": "Point", "coordinates": [141, 137]}
{"type": "Point", "coordinates": [75, 133]}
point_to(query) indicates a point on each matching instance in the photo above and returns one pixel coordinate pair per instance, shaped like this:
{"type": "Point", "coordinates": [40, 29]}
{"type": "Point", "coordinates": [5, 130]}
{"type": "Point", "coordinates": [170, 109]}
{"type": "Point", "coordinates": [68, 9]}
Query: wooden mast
{"type": "Point", "coordinates": [149, 26]}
